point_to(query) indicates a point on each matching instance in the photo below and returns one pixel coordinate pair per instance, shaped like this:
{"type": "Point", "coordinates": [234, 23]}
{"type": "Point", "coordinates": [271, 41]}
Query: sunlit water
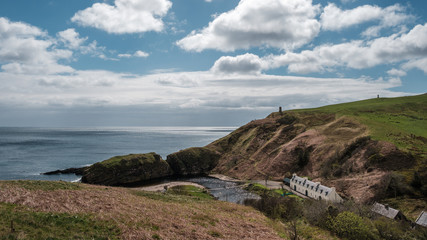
{"type": "Point", "coordinates": [27, 152]}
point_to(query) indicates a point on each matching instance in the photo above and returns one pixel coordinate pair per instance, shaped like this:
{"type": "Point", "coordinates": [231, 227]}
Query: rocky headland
{"type": "Point", "coordinates": [367, 150]}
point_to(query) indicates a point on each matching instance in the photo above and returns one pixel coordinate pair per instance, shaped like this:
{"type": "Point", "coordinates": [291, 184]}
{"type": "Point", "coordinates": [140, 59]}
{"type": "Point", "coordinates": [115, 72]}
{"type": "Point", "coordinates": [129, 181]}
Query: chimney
{"type": "Point", "coordinates": [386, 206]}
{"type": "Point", "coordinates": [280, 110]}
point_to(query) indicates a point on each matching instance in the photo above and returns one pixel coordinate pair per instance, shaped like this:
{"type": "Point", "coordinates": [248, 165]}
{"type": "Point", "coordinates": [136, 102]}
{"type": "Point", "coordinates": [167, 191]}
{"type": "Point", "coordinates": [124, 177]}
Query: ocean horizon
{"type": "Point", "coordinates": [26, 152]}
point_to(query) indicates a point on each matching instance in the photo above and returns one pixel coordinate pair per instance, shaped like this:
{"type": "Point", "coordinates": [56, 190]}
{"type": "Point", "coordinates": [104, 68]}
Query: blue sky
{"type": "Point", "coordinates": [199, 62]}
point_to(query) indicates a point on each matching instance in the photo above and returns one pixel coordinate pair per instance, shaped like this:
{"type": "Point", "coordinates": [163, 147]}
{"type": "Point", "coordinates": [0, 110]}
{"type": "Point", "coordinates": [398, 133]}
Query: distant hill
{"type": "Point", "coordinates": [368, 150]}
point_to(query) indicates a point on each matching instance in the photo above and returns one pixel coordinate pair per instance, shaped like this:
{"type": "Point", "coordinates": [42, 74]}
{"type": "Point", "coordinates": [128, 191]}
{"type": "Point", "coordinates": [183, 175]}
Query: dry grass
{"type": "Point", "coordinates": [143, 215]}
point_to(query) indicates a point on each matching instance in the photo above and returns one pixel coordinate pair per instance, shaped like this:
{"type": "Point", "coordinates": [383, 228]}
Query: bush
{"type": "Point", "coordinates": [277, 207]}
{"type": "Point", "coordinates": [397, 186]}
{"type": "Point", "coordinates": [351, 226]}
{"type": "Point", "coordinates": [316, 212]}
{"type": "Point", "coordinates": [387, 229]}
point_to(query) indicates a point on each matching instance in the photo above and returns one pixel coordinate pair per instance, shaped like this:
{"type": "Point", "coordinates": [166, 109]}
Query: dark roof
{"type": "Point", "coordinates": [287, 180]}
{"type": "Point", "coordinates": [318, 187]}
{"type": "Point", "coordinates": [385, 210]}
{"type": "Point", "coordinates": [422, 219]}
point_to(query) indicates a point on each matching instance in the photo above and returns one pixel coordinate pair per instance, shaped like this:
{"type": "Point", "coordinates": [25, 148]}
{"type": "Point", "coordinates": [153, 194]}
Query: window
{"type": "Point", "coordinates": [326, 193]}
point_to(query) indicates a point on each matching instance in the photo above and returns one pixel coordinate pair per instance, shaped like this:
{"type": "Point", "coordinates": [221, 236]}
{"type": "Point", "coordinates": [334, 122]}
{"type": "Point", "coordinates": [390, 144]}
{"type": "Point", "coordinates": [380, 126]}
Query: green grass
{"type": "Point", "coordinates": [189, 190]}
{"type": "Point", "coordinates": [119, 160]}
{"type": "Point", "coordinates": [44, 185]}
{"type": "Point", "coordinates": [261, 189]}
{"type": "Point", "coordinates": [401, 121]}
{"type": "Point", "coordinates": [17, 222]}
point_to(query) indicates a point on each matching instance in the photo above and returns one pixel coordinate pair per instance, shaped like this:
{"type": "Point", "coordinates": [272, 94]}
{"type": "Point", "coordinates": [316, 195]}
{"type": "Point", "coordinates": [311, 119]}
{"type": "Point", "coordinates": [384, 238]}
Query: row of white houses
{"type": "Point", "coordinates": [314, 190]}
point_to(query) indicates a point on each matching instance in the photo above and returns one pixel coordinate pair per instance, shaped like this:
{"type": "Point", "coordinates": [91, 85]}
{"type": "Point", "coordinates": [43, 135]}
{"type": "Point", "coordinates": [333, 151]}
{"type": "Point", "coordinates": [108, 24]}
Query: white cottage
{"type": "Point", "coordinates": [314, 189]}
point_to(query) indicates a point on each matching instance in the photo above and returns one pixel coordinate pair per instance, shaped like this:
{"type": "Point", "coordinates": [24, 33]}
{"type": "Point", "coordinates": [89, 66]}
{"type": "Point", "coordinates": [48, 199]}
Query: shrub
{"type": "Point", "coordinates": [277, 207]}
{"type": "Point", "coordinates": [286, 119]}
{"type": "Point", "coordinates": [316, 212]}
{"type": "Point", "coordinates": [351, 226]}
{"type": "Point", "coordinates": [387, 229]}
{"type": "Point", "coordinates": [397, 186]}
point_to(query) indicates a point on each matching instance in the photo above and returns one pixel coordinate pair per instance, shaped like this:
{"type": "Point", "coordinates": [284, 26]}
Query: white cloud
{"type": "Point", "coordinates": [334, 19]}
{"type": "Point", "coordinates": [168, 91]}
{"type": "Point", "coordinates": [396, 72]}
{"type": "Point", "coordinates": [125, 55]}
{"type": "Point", "coordinates": [141, 54]}
{"type": "Point", "coordinates": [125, 16]}
{"type": "Point", "coordinates": [246, 64]}
{"type": "Point", "coordinates": [71, 38]}
{"type": "Point", "coordinates": [273, 23]}
{"type": "Point", "coordinates": [420, 64]}
{"type": "Point", "coordinates": [27, 49]}
{"type": "Point", "coordinates": [138, 53]}
{"type": "Point", "coordinates": [356, 54]}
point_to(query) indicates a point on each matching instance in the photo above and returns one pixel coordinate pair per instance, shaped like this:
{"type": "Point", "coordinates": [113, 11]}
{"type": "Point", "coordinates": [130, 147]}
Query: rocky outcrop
{"type": "Point", "coordinates": [77, 171]}
{"type": "Point", "coordinates": [127, 170]}
{"type": "Point", "coordinates": [135, 169]}
{"type": "Point", "coordinates": [193, 161]}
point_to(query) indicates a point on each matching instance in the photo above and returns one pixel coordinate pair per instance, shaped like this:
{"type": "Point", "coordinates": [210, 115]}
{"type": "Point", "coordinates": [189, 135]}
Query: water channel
{"type": "Point", "coordinates": [224, 190]}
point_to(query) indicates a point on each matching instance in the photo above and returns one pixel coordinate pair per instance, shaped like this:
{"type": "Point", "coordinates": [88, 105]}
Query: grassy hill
{"type": "Point", "coordinates": [382, 141]}
{"type": "Point", "coordinates": [401, 121]}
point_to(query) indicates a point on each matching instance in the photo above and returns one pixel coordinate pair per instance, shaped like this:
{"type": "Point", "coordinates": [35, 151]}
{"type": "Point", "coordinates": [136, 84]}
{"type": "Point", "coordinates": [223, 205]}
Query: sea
{"type": "Point", "coordinates": [25, 153]}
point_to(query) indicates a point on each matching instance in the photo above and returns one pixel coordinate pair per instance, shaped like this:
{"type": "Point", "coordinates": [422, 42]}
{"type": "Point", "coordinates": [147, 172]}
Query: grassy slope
{"type": "Point", "coordinates": [388, 119]}
{"type": "Point", "coordinates": [59, 210]}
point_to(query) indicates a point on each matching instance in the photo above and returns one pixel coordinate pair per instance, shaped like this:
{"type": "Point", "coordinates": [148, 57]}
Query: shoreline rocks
{"type": "Point", "coordinates": [77, 171]}
{"type": "Point", "coordinates": [127, 170]}
{"type": "Point", "coordinates": [139, 169]}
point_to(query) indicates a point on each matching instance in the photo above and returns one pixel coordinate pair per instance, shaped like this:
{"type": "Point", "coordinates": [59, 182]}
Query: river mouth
{"type": "Point", "coordinates": [223, 190]}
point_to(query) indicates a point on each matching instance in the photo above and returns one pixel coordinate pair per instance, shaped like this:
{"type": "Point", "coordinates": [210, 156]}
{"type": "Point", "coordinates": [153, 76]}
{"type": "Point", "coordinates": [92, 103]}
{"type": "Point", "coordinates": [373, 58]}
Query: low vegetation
{"type": "Point", "coordinates": [188, 190]}
{"type": "Point", "coordinates": [32, 211]}
{"type": "Point", "coordinates": [18, 222]}
{"type": "Point", "coordinates": [43, 185]}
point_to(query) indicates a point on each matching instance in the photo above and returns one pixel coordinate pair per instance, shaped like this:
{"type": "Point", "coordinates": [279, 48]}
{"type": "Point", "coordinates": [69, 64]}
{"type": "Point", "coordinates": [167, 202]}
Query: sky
{"type": "Point", "coordinates": [202, 62]}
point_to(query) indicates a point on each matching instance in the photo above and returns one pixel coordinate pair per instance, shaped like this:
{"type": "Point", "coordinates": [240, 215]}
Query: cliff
{"type": "Point", "coordinates": [193, 161]}
{"type": "Point", "coordinates": [127, 170]}
{"type": "Point", "coordinates": [368, 149]}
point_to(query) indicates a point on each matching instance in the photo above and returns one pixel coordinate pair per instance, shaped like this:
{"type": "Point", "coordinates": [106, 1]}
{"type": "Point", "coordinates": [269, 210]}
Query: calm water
{"type": "Point", "coordinates": [27, 152]}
